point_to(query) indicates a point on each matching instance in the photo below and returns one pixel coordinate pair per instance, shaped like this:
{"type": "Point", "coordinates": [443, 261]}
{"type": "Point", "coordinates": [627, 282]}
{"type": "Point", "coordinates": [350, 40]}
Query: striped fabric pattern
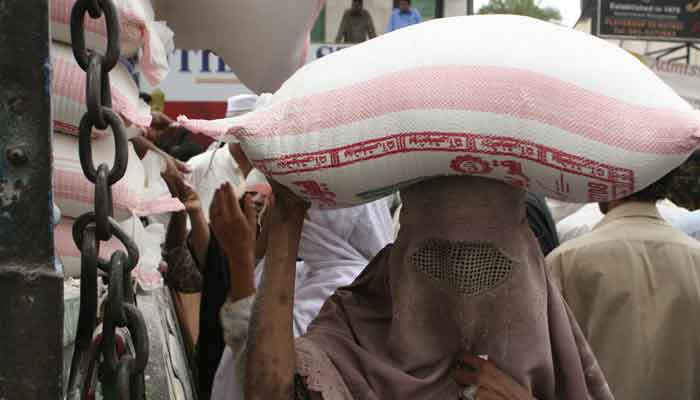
{"type": "Point", "coordinates": [537, 105]}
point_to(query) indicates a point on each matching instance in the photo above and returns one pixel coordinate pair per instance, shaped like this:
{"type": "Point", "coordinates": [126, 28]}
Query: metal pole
{"type": "Point", "coordinates": [31, 309]}
{"type": "Point", "coordinates": [595, 5]}
{"type": "Point", "coordinates": [470, 7]}
{"type": "Point", "coordinates": [439, 8]}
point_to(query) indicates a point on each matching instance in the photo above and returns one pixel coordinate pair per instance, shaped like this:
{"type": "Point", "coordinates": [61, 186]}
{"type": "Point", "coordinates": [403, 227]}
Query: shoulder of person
{"type": "Point", "coordinates": [588, 241]}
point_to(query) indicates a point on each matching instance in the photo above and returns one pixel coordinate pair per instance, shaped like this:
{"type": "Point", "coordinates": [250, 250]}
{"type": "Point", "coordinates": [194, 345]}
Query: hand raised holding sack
{"type": "Point", "coordinates": [235, 228]}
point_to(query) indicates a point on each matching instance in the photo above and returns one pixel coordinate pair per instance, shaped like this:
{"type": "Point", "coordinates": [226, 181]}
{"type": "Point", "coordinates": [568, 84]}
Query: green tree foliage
{"type": "Point", "coordinates": [521, 7]}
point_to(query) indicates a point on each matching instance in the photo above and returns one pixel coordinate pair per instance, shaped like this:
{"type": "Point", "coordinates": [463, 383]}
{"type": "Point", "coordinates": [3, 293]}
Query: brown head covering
{"type": "Point", "coordinates": [466, 274]}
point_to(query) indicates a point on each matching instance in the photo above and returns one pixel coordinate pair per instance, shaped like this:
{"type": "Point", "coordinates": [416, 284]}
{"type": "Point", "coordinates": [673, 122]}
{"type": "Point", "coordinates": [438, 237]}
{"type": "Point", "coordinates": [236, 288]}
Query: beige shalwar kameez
{"type": "Point", "coordinates": [633, 284]}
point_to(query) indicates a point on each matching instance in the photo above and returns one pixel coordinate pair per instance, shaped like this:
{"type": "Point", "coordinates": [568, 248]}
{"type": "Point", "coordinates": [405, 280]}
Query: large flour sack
{"type": "Point", "coordinates": [68, 104]}
{"type": "Point", "coordinates": [139, 34]}
{"type": "Point", "coordinates": [542, 107]}
{"type": "Point", "coordinates": [264, 41]}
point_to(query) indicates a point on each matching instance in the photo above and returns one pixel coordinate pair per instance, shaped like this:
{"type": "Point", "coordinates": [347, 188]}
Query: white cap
{"type": "Point", "coordinates": [240, 104]}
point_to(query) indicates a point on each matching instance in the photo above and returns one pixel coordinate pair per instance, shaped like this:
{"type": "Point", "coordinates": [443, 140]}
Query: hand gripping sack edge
{"type": "Point", "coordinates": [539, 106]}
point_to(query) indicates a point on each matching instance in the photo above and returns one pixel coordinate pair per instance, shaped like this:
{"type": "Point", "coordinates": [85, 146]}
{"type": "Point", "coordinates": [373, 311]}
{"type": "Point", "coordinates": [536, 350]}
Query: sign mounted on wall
{"type": "Point", "coordinates": [683, 78]}
{"type": "Point", "coordinates": [664, 20]}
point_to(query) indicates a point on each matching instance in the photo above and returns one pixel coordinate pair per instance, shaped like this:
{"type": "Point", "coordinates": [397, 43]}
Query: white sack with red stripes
{"type": "Point", "coordinates": [74, 194]}
{"type": "Point", "coordinates": [539, 106]}
{"type": "Point", "coordinates": [147, 239]}
{"type": "Point", "coordinates": [264, 41]}
{"type": "Point", "coordinates": [68, 101]}
{"type": "Point", "coordinates": [139, 35]}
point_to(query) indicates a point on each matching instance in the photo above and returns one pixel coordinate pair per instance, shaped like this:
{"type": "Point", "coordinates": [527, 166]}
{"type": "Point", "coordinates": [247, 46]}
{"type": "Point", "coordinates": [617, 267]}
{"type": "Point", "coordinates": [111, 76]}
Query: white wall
{"type": "Point", "coordinates": [380, 11]}
{"type": "Point", "coordinates": [456, 7]}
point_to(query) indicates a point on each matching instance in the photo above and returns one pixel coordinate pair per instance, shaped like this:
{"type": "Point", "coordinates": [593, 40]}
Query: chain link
{"type": "Point", "coordinates": [94, 9]}
{"type": "Point", "coordinates": [99, 92]}
{"type": "Point", "coordinates": [80, 366]}
{"type": "Point", "coordinates": [124, 372]}
{"type": "Point", "coordinates": [121, 147]}
{"type": "Point", "coordinates": [77, 33]}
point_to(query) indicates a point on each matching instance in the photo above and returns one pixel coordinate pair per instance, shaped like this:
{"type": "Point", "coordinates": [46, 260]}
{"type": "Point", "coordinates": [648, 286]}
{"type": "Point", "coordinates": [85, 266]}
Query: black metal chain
{"type": "Point", "coordinates": [122, 373]}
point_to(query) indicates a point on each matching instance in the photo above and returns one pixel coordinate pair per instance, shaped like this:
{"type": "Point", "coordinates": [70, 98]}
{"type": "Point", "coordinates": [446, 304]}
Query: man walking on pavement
{"type": "Point", "coordinates": [356, 26]}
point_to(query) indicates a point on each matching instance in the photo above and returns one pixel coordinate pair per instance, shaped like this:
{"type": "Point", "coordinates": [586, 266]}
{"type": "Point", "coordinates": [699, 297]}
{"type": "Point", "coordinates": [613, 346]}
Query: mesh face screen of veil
{"type": "Point", "coordinates": [469, 268]}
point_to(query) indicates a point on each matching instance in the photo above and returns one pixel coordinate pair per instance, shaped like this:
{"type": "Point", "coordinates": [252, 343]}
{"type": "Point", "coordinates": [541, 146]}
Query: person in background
{"type": "Point", "coordinates": [585, 219]}
{"type": "Point", "coordinates": [683, 195]}
{"type": "Point", "coordinates": [187, 251]}
{"type": "Point", "coordinates": [685, 188]}
{"type": "Point", "coordinates": [335, 247]}
{"type": "Point", "coordinates": [165, 135]}
{"type": "Point", "coordinates": [403, 16]}
{"type": "Point", "coordinates": [215, 167]}
{"type": "Point", "coordinates": [260, 192]}
{"type": "Point", "coordinates": [356, 25]}
{"type": "Point", "coordinates": [218, 164]}
{"type": "Point", "coordinates": [632, 284]}
{"type": "Point", "coordinates": [257, 186]}
{"type": "Point", "coordinates": [196, 264]}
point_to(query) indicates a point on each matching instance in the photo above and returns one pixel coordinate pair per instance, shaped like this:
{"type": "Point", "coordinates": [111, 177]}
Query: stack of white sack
{"type": "Point", "coordinates": [150, 42]}
{"type": "Point", "coordinates": [264, 41]}
{"type": "Point", "coordinates": [75, 195]}
{"type": "Point", "coordinates": [131, 196]}
{"type": "Point", "coordinates": [537, 105]}
{"type": "Point", "coordinates": [68, 104]}
{"type": "Point", "coordinates": [147, 239]}
{"type": "Point", "coordinates": [140, 34]}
